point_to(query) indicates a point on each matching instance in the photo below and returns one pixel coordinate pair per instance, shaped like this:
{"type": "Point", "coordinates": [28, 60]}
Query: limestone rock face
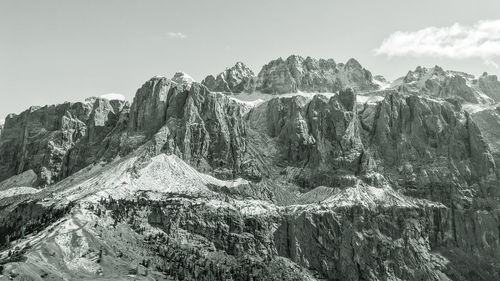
{"type": "Point", "coordinates": [236, 79]}
{"type": "Point", "coordinates": [148, 110]}
{"type": "Point", "coordinates": [490, 85]}
{"type": "Point", "coordinates": [42, 139]}
{"type": "Point", "coordinates": [436, 82]}
{"type": "Point", "coordinates": [205, 129]}
{"type": "Point", "coordinates": [357, 239]}
{"type": "Point", "coordinates": [317, 135]}
{"type": "Point", "coordinates": [431, 150]}
{"type": "Point", "coordinates": [310, 75]}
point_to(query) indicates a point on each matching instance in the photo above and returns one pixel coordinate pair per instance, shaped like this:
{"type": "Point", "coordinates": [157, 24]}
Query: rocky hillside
{"type": "Point", "coordinates": [377, 182]}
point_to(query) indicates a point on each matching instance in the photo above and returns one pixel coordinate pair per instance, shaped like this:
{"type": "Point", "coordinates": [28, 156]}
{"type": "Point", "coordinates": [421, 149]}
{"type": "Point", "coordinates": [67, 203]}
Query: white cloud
{"type": "Point", "coordinates": [177, 35]}
{"type": "Point", "coordinates": [481, 40]}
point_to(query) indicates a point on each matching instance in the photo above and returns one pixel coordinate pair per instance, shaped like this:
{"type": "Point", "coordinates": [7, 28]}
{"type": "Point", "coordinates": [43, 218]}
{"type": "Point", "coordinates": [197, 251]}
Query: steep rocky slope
{"type": "Point", "coordinates": [190, 184]}
{"type": "Point", "coordinates": [490, 85]}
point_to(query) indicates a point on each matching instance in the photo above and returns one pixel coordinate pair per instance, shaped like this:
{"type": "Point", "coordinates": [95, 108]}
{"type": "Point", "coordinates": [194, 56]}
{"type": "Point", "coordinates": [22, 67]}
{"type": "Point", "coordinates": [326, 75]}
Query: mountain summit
{"type": "Point", "coordinates": [295, 74]}
{"type": "Point", "coordinates": [236, 79]}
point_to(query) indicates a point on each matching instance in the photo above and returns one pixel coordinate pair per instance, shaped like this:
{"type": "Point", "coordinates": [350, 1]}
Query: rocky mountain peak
{"type": "Point", "coordinates": [182, 78]}
{"type": "Point", "coordinates": [421, 73]}
{"type": "Point", "coordinates": [236, 79]}
{"type": "Point", "coordinates": [437, 82]}
{"type": "Point", "coordinates": [295, 60]}
{"type": "Point", "coordinates": [353, 64]}
{"type": "Point", "coordinates": [241, 67]}
{"type": "Point", "coordinates": [311, 75]}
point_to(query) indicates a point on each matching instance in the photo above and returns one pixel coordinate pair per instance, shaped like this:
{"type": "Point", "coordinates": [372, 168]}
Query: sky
{"type": "Point", "coordinates": [53, 51]}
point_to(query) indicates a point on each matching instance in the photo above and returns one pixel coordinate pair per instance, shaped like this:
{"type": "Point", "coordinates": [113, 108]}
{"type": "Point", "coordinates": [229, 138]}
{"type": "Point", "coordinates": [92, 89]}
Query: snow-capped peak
{"type": "Point", "coordinates": [113, 96]}
{"type": "Point", "coordinates": [182, 78]}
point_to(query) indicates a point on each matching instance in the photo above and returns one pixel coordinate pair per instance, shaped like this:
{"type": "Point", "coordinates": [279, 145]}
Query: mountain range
{"type": "Point", "coordinates": [308, 170]}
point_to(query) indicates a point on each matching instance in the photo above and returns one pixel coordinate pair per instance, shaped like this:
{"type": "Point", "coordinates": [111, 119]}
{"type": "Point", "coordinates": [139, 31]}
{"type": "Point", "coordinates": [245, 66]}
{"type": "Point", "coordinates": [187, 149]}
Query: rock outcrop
{"type": "Point", "coordinates": [43, 139]}
{"type": "Point", "coordinates": [236, 79]}
{"type": "Point", "coordinates": [205, 129]}
{"type": "Point", "coordinates": [436, 82]}
{"type": "Point", "coordinates": [310, 75]}
{"type": "Point", "coordinates": [490, 85]}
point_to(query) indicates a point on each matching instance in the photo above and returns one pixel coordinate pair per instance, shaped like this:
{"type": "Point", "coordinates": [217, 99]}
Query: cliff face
{"type": "Point", "coordinates": [490, 85]}
{"type": "Point", "coordinates": [190, 184]}
{"type": "Point", "coordinates": [51, 140]}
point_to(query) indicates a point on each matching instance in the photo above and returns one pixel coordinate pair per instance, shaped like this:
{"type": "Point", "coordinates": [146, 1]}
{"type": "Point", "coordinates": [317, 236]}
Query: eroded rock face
{"type": "Point", "coordinates": [362, 244]}
{"type": "Point", "coordinates": [237, 79]}
{"type": "Point", "coordinates": [317, 135]}
{"type": "Point", "coordinates": [310, 75]}
{"type": "Point", "coordinates": [490, 85]}
{"type": "Point", "coordinates": [205, 129]}
{"type": "Point", "coordinates": [148, 110]}
{"type": "Point", "coordinates": [436, 82]}
{"type": "Point", "coordinates": [423, 136]}
{"type": "Point", "coordinates": [42, 138]}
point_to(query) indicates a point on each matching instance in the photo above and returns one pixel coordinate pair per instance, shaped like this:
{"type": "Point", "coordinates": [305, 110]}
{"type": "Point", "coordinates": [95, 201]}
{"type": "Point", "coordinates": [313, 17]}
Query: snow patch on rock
{"type": "Point", "coordinates": [113, 96]}
{"type": "Point", "coordinates": [368, 99]}
{"type": "Point", "coordinates": [381, 82]}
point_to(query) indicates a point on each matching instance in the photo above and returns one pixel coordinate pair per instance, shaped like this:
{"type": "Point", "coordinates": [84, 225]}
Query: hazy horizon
{"type": "Point", "coordinates": [55, 51]}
